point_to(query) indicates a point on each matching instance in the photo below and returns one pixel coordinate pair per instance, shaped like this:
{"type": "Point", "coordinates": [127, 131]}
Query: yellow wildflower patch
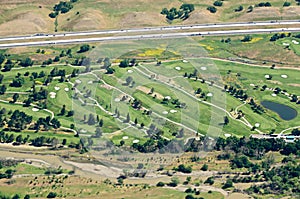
{"type": "Point", "coordinates": [207, 47]}
{"type": "Point", "coordinates": [152, 52]}
{"type": "Point", "coordinates": [254, 40]}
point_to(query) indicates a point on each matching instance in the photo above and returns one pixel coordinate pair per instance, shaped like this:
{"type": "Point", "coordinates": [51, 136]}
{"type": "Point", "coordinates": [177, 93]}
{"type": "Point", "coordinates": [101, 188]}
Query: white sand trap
{"type": "Point", "coordinates": [35, 109]}
{"type": "Point", "coordinates": [168, 97]}
{"type": "Point", "coordinates": [130, 71]}
{"type": "Point", "coordinates": [173, 111]}
{"type": "Point", "coordinates": [267, 76]}
{"type": "Point", "coordinates": [177, 68]}
{"type": "Point", "coordinates": [52, 96]}
{"type": "Point", "coordinates": [252, 85]}
{"type": "Point", "coordinates": [78, 81]}
{"type": "Point", "coordinates": [165, 112]}
{"type": "Point", "coordinates": [203, 68]}
{"type": "Point", "coordinates": [52, 93]}
{"type": "Point", "coordinates": [257, 125]}
{"type": "Point", "coordinates": [125, 138]}
{"type": "Point", "coordinates": [227, 135]}
{"type": "Point", "coordinates": [56, 88]}
{"type": "Point", "coordinates": [295, 42]}
{"type": "Point", "coordinates": [209, 95]}
{"type": "Point", "coordinates": [284, 76]}
{"type": "Point", "coordinates": [185, 61]}
{"type": "Point", "coordinates": [285, 44]}
{"type": "Point", "coordinates": [117, 99]}
{"type": "Point", "coordinates": [67, 89]}
{"type": "Point", "coordinates": [274, 95]}
{"type": "Point", "coordinates": [135, 141]}
{"type": "Point", "coordinates": [90, 82]}
{"type": "Point", "coordinates": [83, 131]}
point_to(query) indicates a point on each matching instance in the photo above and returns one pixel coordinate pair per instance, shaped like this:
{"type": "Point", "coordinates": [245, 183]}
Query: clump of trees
{"type": "Point", "coordinates": [182, 13]}
{"type": "Point", "coordinates": [62, 7]}
{"type": "Point", "coordinates": [263, 4]}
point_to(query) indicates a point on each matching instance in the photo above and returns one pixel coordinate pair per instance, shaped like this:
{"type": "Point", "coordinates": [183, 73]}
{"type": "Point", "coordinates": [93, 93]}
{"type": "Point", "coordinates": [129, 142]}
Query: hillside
{"type": "Point", "coordinates": [32, 16]}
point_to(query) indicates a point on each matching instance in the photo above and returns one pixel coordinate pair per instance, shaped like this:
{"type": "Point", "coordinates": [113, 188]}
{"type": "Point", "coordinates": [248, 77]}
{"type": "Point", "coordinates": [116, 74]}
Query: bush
{"type": "Point", "coordinates": [84, 48]}
{"type": "Point", "coordinates": [212, 9]}
{"type": "Point", "coordinates": [204, 167]}
{"type": "Point", "coordinates": [218, 3]}
{"type": "Point", "coordinates": [227, 184]}
{"type": "Point", "coordinates": [160, 184]}
{"type": "Point", "coordinates": [52, 195]}
{"type": "Point", "coordinates": [286, 4]}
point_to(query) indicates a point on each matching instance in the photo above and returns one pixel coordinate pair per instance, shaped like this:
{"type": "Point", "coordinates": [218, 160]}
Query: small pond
{"type": "Point", "coordinates": [284, 111]}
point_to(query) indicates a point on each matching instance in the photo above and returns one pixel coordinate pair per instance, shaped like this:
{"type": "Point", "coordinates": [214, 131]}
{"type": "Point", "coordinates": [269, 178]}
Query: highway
{"type": "Point", "coordinates": [148, 36]}
{"type": "Point", "coordinates": [153, 29]}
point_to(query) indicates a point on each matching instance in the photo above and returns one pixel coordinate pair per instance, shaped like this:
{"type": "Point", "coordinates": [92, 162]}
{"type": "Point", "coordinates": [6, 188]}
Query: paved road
{"type": "Point", "coordinates": [150, 36]}
{"type": "Point", "coordinates": [154, 29]}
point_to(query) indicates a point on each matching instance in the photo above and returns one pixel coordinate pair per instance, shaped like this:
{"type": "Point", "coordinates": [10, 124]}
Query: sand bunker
{"type": "Point", "coordinates": [35, 109]}
{"type": "Point", "coordinates": [165, 112]}
{"type": "Point", "coordinates": [284, 76]}
{"type": "Point", "coordinates": [177, 68]}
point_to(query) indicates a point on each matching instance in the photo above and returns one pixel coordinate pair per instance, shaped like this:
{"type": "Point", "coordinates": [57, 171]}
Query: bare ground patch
{"type": "Point", "coordinates": [147, 91]}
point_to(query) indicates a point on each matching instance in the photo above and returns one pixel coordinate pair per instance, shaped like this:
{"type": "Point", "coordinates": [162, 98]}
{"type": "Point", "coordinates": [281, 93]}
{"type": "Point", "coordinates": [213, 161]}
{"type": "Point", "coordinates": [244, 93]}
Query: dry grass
{"type": "Point", "coordinates": [31, 16]}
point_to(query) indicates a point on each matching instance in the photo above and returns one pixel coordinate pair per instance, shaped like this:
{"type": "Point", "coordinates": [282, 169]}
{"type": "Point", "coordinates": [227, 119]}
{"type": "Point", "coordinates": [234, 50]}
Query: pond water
{"type": "Point", "coordinates": [284, 111]}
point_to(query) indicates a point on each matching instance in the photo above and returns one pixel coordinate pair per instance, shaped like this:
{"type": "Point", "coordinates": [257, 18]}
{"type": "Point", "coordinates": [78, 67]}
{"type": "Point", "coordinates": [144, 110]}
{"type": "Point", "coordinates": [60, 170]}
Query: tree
{"type": "Point", "coordinates": [174, 182]}
{"type": "Point", "coordinates": [128, 80]}
{"type": "Point", "coordinates": [218, 3]}
{"type": "Point", "coordinates": [182, 168]}
{"type": "Point", "coordinates": [238, 9]}
{"type": "Point", "coordinates": [98, 132]}
{"type": "Point", "coordinates": [204, 167]}
{"type": "Point", "coordinates": [70, 113]}
{"type": "Point", "coordinates": [52, 195]}
{"type": "Point", "coordinates": [15, 97]}
{"type": "Point", "coordinates": [212, 9]}
{"type": "Point", "coordinates": [286, 4]}
{"type": "Point", "coordinates": [64, 142]}
{"type": "Point", "coordinates": [124, 63]}
{"type": "Point", "coordinates": [209, 181]}
{"type": "Point", "coordinates": [26, 196]}
{"type": "Point", "coordinates": [91, 120]}
{"type": "Point", "coordinates": [227, 184]}
{"type": "Point", "coordinates": [226, 120]}
{"type": "Point", "coordinates": [135, 121]}
{"type": "Point", "coordinates": [63, 110]}
{"type": "Point", "coordinates": [246, 38]}
{"type": "Point", "coordinates": [84, 48]}
{"type": "Point", "coordinates": [2, 89]}
{"type": "Point", "coordinates": [160, 184]}
{"type": "Point", "coordinates": [1, 78]}
{"type": "Point", "coordinates": [26, 62]}
{"type": "Point", "coordinates": [127, 118]}
{"type": "Point", "coordinates": [16, 196]}
{"type": "Point", "coordinates": [101, 122]}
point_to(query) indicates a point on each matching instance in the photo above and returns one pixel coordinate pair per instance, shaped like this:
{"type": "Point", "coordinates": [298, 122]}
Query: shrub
{"type": "Point", "coordinates": [212, 9]}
